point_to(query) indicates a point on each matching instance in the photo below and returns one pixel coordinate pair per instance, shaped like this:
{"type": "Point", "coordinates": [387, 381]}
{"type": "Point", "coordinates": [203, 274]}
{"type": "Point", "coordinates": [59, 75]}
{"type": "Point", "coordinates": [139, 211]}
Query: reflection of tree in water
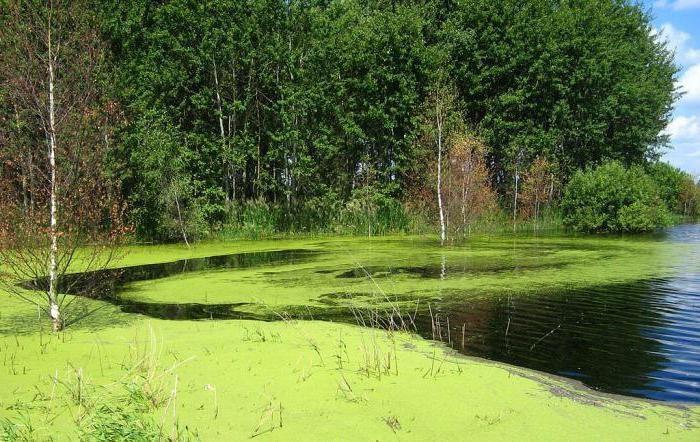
{"type": "Point", "coordinates": [108, 315]}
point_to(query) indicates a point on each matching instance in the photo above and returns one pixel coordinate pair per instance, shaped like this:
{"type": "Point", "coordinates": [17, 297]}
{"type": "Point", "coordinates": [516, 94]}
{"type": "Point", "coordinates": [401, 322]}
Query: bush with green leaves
{"type": "Point", "coordinates": [678, 189]}
{"type": "Point", "coordinates": [613, 198]}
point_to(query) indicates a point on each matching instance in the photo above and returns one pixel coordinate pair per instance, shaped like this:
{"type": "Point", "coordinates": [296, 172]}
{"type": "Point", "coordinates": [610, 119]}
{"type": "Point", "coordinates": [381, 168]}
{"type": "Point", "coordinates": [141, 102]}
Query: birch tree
{"type": "Point", "coordinates": [50, 72]}
{"type": "Point", "coordinates": [439, 121]}
{"type": "Point", "coordinates": [440, 124]}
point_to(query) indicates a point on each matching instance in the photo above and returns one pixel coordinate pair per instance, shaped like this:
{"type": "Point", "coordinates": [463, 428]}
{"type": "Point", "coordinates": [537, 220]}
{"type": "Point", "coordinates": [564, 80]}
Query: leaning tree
{"type": "Point", "coordinates": [59, 211]}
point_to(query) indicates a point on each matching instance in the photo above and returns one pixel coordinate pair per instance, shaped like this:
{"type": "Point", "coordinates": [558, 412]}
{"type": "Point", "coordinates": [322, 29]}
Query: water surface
{"type": "Point", "coordinates": [639, 338]}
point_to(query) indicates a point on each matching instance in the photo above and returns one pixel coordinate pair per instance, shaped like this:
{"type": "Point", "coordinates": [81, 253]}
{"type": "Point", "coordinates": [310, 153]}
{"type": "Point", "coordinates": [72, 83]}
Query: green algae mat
{"type": "Point", "coordinates": [369, 339]}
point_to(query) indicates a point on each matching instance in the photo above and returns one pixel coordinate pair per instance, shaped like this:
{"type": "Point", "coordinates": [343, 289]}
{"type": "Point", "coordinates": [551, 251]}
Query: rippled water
{"type": "Point", "coordinates": [640, 339]}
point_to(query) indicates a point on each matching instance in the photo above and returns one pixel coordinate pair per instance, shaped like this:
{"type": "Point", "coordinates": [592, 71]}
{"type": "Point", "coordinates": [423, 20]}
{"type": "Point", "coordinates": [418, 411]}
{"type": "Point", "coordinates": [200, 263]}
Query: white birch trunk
{"type": "Point", "coordinates": [439, 175]}
{"type": "Point", "coordinates": [54, 309]}
{"type": "Point", "coordinates": [179, 218]}
{"type": "Point", "coordinates": [515, 197]}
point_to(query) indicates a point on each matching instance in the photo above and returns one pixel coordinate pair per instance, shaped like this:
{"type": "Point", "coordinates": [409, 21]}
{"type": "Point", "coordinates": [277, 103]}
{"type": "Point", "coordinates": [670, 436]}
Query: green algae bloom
{"type": "Point", "coordinates": [319, 380]}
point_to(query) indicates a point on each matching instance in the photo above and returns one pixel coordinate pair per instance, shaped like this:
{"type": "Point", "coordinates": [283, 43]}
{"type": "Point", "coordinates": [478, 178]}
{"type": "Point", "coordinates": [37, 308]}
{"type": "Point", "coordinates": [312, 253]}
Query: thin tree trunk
{"type": "Point", "coordinates": [537, 206]}
{"type": "Point", "coordinates": [30, 166]}
{"type": "Point", "coordinates": [439, 177]}
{"type": "Point", "coordinates": [54, 310]}
{"type": "Point", "coordinates": [26, 164]}
{"type": "Point", "coordinates": [25, 193]}
{"type": "Point", "coordinates": [179, 217]}
{"type": "Point", "coordinates": [515, 197]}
{"type": "Point", "coordinates": [224, 168]}
{"type": "Point", "coordinates": [466, 191]}
{"type": "Point", "coordinates": [464, 204]}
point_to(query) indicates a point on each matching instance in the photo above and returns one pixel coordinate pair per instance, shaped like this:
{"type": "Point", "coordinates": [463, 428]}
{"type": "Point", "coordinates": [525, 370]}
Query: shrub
{"type": "Point", "coordinates": [613, 198]}
{"type": "Point", "coordinates": [538, 184]}
{"type": "Point", "coordinates": [669, 181]}
{"type": "Point", "coordinates": [690, 198]}
{"type": "Point", "coordinates": [467, 191]}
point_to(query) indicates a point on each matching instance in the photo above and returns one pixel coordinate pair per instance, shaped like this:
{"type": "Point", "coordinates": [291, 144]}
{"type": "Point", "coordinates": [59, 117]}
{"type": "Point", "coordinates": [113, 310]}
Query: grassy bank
{"type": "Point", "coordinates": [259, 221]}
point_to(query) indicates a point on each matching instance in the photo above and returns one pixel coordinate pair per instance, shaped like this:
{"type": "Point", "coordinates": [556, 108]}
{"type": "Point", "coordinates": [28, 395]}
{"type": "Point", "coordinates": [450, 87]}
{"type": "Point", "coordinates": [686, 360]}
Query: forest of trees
{"type": "Point", "coordinates": [284, 115]}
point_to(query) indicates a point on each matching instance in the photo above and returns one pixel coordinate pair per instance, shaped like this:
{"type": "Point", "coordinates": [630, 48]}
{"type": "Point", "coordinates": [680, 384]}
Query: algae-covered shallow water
{"type": "Point", "coordinates": [621, 315]}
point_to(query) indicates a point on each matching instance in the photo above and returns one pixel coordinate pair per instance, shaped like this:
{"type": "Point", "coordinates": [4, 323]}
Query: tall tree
{"type": "Point", "coordinates": [289, 101]}
{"type": "Point", "coordinates": [579, 81]}
{"type": "Point", "coordinates": [440, 124]}
{"type": "Point", "coordinates": [50, 72]}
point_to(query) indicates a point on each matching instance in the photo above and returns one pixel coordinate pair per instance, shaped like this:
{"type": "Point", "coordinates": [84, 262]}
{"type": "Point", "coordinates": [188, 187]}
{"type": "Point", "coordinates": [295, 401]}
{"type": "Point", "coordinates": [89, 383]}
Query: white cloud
{"type": "Point", "coordinates": [685, 139]}
{"type": "Point", "coordinates": [684, 129]}
{"type": "Point", "coordinates": [679, 42]}
{"type": "Point", "coordinates": [689, 82]}
{"type": "Point", "coordinates": [677, 5]}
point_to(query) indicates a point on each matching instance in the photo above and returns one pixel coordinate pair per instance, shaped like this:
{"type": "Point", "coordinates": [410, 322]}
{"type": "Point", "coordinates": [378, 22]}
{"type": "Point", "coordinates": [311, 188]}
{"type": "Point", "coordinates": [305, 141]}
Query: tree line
{"type": "Point", "coordinates": [278, 115]}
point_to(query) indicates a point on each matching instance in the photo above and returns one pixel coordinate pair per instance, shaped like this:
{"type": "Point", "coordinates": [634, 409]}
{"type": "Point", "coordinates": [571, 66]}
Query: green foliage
{"type": "Point", "coordinates": [370, 211]}
{"type": "Point", "coordinates": [690, 198]}
{"type": "Point", "coordinates": [317, 213]}
{"type": "Point", "coordinates": [254, 219]}
{"type": "Point", "coordinates": [120, 420]}
{"type": "Point", "coordinates": [19, 430]}
{"type": "Point", "coordinates": [367, 212]}
{"type": "Point", "coordinates": [263, 100]}
{"type": "Point", "coordinates": [671, 183]}
{"type": "Point", "coordinates": [614, 198]}
{"type": "Point", "coordinates": [576, 82]}
{"type": "Point", "coordinates": [254, 108]}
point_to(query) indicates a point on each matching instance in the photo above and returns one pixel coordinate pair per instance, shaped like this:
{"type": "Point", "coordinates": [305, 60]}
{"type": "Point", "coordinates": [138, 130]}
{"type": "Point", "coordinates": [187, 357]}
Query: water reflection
{"type": "Point", "coordinates": [106, 283]}
{"type": "Point", "coordinates": [641, 339]}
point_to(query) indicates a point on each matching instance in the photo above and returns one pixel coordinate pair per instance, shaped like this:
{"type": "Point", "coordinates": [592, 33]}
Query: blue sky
{"type": "Point", "coordinates": [678, 21]}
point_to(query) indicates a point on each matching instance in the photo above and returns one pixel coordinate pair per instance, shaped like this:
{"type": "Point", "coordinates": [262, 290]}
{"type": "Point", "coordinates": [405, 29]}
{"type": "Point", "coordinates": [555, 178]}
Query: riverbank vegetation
{"type": "Point", "coordinates": [614, 198]}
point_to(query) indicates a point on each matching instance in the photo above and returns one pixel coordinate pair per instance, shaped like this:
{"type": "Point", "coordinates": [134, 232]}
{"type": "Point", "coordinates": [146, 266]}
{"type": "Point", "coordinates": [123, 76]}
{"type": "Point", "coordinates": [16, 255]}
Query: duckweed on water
{"type": "Point", "coordinates": [238, 379]}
